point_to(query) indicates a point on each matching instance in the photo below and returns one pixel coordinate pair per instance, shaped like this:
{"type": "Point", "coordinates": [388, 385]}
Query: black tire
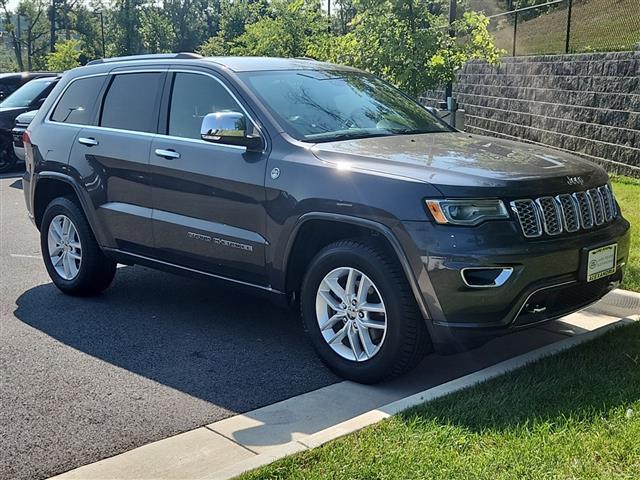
{"type": "Point", "coordinates": [7, 157]}
{"type": "Point", "coordinates": [96, 270]}
{"type": "Point", "coordinates": [406, 340]}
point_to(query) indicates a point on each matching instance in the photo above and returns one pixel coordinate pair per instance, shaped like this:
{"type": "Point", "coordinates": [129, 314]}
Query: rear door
{"type": "Point", "coordinates": [208, 198]}
{"type": "Point", "coordinates": [112, 157]}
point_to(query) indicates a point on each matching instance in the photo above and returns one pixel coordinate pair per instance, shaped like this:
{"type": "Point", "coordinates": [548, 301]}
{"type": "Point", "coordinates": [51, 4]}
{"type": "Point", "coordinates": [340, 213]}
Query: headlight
{"type": "Point", "coordinates": [466, 212]}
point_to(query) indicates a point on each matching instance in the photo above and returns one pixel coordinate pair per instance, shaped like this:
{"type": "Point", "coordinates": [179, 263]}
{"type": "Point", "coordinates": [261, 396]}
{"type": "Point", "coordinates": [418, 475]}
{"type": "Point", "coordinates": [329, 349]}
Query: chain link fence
{"type": "Point", "coordinates": [568, 26]}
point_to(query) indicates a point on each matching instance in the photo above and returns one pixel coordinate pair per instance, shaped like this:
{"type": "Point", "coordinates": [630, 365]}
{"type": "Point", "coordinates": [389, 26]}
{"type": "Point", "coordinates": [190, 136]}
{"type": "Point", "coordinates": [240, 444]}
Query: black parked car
{"type": "Point", "coordinates": [10, 82]}
{"type": "Point", "coordinates": [21, 124]}
{"type": "Point", "coordinates": [311, 181]}
{"type": "Point", "coordinates": [28, 97]}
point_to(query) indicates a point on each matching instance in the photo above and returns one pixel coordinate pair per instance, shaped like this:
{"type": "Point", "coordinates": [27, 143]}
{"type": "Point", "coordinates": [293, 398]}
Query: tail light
{"type": "Point", "coordinates": [28, 149]}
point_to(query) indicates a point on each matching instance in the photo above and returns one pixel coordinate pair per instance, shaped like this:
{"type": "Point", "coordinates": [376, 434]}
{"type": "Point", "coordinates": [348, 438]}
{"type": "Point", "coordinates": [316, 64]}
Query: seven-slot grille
{"type": "Point", "coordinates": [565, 212]}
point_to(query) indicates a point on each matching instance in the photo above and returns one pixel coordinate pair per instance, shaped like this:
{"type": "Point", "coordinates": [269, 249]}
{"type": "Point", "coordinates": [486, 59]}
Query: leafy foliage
{"type": "Point", "coordinates": [66, 56]}
{"type": "Point", "coordinates": [406, 42]}
{"type": "Point", "coordinates": [289, 29]}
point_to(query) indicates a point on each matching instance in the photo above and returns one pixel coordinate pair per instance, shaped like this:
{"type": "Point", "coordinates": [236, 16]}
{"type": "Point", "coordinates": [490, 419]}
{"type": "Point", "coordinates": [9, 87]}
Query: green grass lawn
{"type": "Point", "coordinates": [601, 25]}
{"type": "Point", "coordinates": [575, 415]}
{"type": "Point", "coordinates": [627, 191]}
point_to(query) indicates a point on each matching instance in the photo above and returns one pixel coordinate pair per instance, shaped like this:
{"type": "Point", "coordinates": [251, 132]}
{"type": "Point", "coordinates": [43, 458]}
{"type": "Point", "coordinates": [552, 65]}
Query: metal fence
{"type": "Point", "coordinates": [568, 26]}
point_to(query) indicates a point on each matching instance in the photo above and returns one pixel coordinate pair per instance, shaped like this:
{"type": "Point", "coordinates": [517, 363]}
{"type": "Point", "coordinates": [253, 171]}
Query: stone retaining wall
{"type": "Point", "coordinates": [587, 104]}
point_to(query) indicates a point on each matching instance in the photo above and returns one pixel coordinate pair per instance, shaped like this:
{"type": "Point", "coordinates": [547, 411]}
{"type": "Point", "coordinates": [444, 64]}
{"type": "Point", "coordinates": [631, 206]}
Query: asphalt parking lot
{"type": "Point", "coordinates": [155, 355]}
{"type": "Point", "coordinates": [83, 379]}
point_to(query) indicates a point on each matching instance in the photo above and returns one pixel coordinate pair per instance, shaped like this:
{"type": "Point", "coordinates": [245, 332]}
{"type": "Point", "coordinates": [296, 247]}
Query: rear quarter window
{"type": "Point", "coordinates": [78, 102]}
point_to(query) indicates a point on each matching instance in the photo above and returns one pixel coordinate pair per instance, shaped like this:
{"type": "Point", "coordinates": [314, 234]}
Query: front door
{"type": "Point", "coordinates": [208, 198]}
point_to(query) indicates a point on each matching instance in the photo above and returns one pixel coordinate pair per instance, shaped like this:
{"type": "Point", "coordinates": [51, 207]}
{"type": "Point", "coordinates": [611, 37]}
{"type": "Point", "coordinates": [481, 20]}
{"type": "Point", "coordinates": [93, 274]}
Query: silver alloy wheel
{"type": "Point", "coordinates": [351, 314]}
{"type": "Point", "coordinates": [65, 250]}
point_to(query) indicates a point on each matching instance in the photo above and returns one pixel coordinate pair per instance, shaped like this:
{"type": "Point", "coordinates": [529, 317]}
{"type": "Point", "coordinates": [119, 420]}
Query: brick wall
{"type": "Point", "coordinates": [588, 104]}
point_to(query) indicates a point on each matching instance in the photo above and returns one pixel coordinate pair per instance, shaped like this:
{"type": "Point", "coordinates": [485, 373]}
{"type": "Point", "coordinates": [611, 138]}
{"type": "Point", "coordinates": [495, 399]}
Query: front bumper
{"type": "Point", "coordinates": [18, 146]}
{"type": "Point", "coordinates": [548, 278]}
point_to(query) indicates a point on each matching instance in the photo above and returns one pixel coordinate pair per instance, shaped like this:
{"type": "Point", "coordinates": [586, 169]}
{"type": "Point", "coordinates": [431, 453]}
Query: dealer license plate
{"type": "Point", "coordinates": [601, 262]}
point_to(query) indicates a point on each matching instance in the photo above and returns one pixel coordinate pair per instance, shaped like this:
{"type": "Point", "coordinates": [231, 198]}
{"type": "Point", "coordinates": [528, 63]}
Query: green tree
{"type": "Point", "coordinates": [125, 31]}
{"type": "Point", "coordinates": [288, 30]}
{"type": "Point", "coordinates": [7, 60]}
{"type": "Point", "coordinates": [157, 34]}
{"type": "Point", "coordinates": [405, 42]}
{"type": "Point", "coordinates": [66, 56]}
{"type": "Point", "coordinates": [28, 31]}
{"type": "Point", "coordinates": [214, 47]}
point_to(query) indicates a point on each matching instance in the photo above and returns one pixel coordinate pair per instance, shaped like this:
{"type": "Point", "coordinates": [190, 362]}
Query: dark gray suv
{"type": "Point", "coordinates": [319, 183]}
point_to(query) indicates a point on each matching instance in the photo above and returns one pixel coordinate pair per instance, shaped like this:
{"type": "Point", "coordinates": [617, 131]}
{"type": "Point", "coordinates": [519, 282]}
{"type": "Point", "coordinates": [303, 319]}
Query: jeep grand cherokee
{"type": "Point", "coordinates": [319, 183]}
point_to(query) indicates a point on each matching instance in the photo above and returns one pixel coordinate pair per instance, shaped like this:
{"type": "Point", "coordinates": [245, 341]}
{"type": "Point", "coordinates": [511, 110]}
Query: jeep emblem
{"type": "Point", "coordinates": [275, 173]}
{"type": "Point", "coordinates": [575, 181]}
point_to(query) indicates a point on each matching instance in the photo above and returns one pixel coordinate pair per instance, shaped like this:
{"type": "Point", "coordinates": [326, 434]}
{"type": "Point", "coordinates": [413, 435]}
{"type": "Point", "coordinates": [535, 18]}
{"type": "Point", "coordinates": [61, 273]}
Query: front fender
{"type": "Point", "coordinates": [372, 225]}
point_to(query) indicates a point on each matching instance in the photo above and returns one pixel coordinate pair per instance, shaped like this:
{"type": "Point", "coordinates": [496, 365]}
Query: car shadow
{"type": "Point", "coordinates": [215, 343]}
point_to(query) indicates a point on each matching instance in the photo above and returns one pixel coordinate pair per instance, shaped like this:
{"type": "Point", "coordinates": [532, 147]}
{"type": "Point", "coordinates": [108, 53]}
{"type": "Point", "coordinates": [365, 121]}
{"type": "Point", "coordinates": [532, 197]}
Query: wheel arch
{"type": "Point", "coordinates": [304, 242]}
{"type": "Point", "coordinates": [51, 185]}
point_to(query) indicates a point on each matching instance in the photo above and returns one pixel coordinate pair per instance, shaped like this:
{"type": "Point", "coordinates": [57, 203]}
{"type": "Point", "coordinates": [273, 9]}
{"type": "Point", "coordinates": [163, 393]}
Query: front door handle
{"type": "Point", "coordinates": [89, 142]}
{"type": "Point", "coordinates": [168, 154]}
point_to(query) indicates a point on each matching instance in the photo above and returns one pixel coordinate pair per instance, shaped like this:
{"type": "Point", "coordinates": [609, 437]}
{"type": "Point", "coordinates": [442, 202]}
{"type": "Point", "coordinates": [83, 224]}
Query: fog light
{"type": "Point", "coordinates": [486, 277]}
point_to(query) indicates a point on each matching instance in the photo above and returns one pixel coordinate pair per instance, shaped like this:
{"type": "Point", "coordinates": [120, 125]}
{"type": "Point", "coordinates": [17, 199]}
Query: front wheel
{"type": "Point", "coordinates": [360, 314]}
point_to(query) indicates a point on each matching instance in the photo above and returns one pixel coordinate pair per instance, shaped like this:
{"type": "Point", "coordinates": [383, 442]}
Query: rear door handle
{"type": "Point", "coordinates": [168, 154]}
{"type": "Point", "coordinates": [89, 142]}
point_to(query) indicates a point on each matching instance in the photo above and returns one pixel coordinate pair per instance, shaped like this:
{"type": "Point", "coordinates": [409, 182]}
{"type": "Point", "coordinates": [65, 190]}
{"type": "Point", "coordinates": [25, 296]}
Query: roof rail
{"type": "Point", "coordinates": [151, 56]}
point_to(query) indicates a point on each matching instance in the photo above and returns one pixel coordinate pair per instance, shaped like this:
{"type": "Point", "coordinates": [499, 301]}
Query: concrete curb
{"type": "Point", "coordinates": [237, 444]}
{"type": "Point", "coordinates": [374, 416]}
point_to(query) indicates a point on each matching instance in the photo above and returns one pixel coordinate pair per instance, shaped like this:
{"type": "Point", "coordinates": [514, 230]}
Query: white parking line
{"type": "Point", "coordinates": [20, 255]}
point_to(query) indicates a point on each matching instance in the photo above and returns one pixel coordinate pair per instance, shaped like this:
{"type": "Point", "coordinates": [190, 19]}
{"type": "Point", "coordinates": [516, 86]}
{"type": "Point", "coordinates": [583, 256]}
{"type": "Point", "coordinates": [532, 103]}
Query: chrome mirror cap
{"type": "Point", "coordinates": [229, 128]}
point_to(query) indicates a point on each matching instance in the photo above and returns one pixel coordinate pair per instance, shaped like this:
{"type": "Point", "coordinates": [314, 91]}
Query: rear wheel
{"type": "Point", "coordinates": [73, 259]}
{"type": "Point", "coordinates": [360, 314]}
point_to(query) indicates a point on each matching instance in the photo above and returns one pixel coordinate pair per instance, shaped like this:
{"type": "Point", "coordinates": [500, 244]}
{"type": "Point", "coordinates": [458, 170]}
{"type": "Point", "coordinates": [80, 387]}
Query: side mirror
{"type": "Point", "coordinates": [433, 111]}
{"type": "Point", "coordinates": [229, 128]}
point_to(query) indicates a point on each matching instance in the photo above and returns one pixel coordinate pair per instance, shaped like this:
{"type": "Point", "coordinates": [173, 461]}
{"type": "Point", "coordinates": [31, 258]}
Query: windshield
{"type": "Point", "coordinates": [26, 94]}
{"type": "Point", "coordinates": [322, 106]}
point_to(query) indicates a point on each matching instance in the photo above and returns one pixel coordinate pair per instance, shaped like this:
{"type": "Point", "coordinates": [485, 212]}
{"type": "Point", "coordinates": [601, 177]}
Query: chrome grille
{"type": "Point", "coordinates": [565, 212]}
{"type": "Point", "coordinates": [551, 220]}
{"type": "Point", "coordinates": [608, 202]}
{"type": "Point", "coordinates": [598, 208]}
{"type": "Point", "coordinates": [528, 217]}
{"type": "Point", "coordinates": [569, 210]}
{"type": "Point", "coordinates": [585, 208]}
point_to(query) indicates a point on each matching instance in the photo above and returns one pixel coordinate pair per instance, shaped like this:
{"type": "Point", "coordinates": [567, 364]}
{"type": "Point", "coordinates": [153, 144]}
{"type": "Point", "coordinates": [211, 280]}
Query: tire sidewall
{"type": "Point", "coordinates": [351, 256]}
{"type": "Point", "coordinates": [64, 206]}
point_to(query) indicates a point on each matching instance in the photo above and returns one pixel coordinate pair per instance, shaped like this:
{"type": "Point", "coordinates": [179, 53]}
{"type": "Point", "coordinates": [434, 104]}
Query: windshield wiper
{"type": "Point", "coordinates": [346, 136]}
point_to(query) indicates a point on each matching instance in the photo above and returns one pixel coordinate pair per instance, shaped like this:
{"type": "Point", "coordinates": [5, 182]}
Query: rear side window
{"type": "Point", "coordinates": [193, 97]}
{"type": "Point", "coordinates": [78, 101]}
{"type": "Point", "coordinates": [131, 102]}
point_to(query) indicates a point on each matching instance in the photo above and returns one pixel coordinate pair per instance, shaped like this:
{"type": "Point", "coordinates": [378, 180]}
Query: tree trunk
{"type": "Point", "coordinates": [52, 19]}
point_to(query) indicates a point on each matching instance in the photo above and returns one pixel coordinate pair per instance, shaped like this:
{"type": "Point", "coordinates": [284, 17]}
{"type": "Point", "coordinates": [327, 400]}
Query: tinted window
{"type": "Point", "coordinates": [78, 101]}
{"type": "Point", "coordinates": [320, 106]}
{"type": "Point", "coordinates": [130, 103]}
{"type": "Point", "coordinates": [26, 94]}
{"type": "Point", "coordinates": [194, 96]}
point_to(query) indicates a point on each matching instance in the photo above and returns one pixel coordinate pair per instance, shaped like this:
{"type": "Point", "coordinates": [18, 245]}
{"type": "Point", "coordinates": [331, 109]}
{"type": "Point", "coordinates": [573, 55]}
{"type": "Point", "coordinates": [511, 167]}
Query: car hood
{"type": "Point", "coordinates": [460, 164]}
{"type": "Point", "coordinates": [26, 117]}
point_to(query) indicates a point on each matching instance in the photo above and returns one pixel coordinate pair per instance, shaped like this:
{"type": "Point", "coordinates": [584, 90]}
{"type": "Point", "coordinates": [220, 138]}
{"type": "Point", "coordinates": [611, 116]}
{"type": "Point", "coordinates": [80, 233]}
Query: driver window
{"type": "Point", "coordinates": [193, 96]}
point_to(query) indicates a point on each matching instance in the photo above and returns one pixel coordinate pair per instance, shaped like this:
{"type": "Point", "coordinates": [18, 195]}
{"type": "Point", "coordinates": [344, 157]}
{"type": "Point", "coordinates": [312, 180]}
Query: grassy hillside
{"type": "Point", "coordinates": [596, 25]}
